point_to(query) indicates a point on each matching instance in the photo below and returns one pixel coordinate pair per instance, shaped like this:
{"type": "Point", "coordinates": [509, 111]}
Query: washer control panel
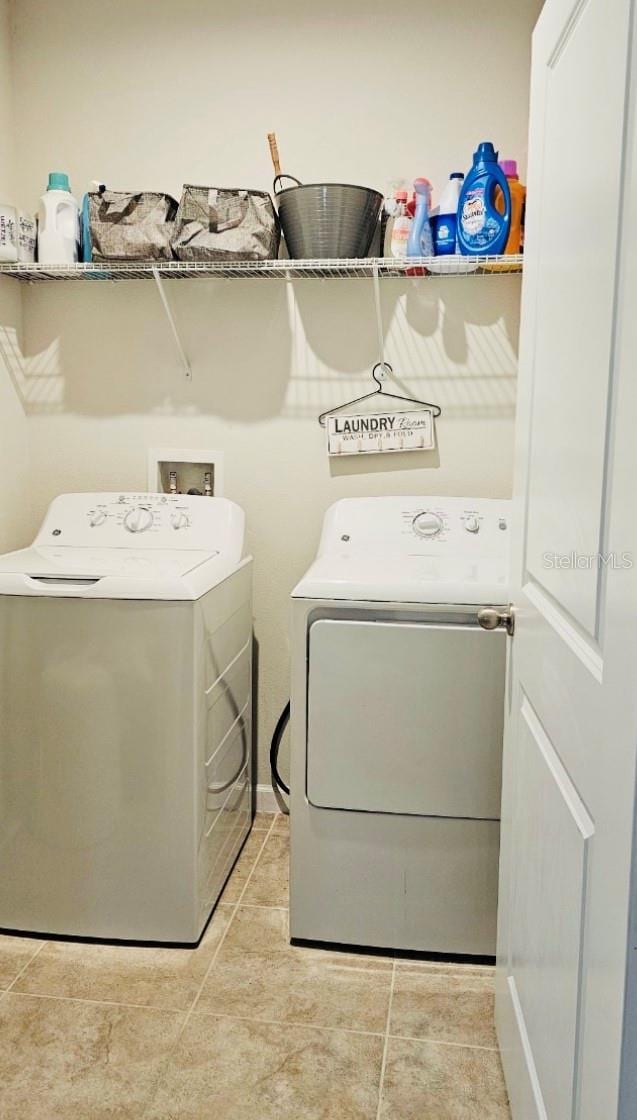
{"type": "Point", "coordinates": [141, 520]}
{"type": "Point", "coordinates": [417, 526]}
{"type": "Point", "coordinates": [140, 513]}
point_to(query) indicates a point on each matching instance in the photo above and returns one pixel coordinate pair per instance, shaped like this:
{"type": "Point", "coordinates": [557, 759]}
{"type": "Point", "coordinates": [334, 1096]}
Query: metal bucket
{"type": "Point", "coordinates": [328, 220]}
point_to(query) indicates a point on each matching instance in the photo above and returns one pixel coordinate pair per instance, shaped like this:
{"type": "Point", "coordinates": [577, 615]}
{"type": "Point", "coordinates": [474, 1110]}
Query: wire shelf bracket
{"type": "Point", "coordinates": [185, 361]}
{"type": "Point", "coordinates": [379, 317]}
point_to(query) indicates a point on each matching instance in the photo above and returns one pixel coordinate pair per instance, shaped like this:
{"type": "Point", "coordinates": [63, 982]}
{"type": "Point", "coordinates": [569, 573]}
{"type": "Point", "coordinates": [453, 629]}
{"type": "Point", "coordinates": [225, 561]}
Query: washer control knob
{"type": "Point", "coordinates": [427, 524]}
{"type": "Point", "coordinates": [98, 517]}
{"type": "Point", "coordinates": [179, 520]}
{"type": "Point", "coordinates": [138, 519]}
{"type": "Point", "coordinates": [472, 525]}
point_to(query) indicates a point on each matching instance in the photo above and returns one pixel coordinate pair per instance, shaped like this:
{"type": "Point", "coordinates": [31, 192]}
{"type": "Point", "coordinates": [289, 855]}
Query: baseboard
{"type": "Point", "coordinates": [267, 801]}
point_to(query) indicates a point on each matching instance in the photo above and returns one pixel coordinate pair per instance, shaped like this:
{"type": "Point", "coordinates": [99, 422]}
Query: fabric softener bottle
{"type": "Point", "coordinates": [482, 228]}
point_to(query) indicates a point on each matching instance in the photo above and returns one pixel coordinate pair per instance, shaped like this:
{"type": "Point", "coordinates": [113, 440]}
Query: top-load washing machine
{"type": "Point", "coordinates": [125, 716]}
{"type": "Point", "coordinates": [396, 726]}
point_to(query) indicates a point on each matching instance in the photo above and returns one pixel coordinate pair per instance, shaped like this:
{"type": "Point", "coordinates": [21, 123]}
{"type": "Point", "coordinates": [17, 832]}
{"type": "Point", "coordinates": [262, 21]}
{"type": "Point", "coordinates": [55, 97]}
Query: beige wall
{"type": "Point", "coordinates": [14, 478]}
{"type": "Point", "coordinates": [154, 94]}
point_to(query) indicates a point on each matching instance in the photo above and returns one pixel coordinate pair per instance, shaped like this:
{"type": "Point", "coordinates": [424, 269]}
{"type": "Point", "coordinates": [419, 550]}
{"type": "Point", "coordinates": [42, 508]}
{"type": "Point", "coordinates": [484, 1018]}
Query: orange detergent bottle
{"type": "Point", "coordinates": [515, 240]}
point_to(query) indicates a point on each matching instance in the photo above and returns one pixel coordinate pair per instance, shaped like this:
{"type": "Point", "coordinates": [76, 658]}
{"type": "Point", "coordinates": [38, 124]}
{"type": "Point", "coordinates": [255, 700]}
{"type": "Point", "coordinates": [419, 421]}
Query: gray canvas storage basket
{"type": "Point", "coordinates": [131, 227]}
{"type": "Point", "coordinates": [234, 225]}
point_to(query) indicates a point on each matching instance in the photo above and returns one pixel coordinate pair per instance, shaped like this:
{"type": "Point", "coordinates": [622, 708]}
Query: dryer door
{"type": "Point", "coordinates": [405, 717]}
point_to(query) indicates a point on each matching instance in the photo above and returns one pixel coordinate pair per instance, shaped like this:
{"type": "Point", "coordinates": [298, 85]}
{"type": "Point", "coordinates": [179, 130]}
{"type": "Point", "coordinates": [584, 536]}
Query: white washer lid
{"type": "Point", "coordinates": [113, 573]}
{"type": "Point", "coordinates": [95, 563]}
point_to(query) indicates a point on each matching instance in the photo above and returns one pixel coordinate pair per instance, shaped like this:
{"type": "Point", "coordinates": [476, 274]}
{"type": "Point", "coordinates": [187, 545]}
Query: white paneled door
{"type": "Point", "coordinates": [566, 1005]}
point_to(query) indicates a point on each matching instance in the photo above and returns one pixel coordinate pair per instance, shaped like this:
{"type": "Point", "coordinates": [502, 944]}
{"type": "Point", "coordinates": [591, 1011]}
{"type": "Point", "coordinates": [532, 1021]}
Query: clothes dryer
{"type": "Point", "coordinates": [396, 726]}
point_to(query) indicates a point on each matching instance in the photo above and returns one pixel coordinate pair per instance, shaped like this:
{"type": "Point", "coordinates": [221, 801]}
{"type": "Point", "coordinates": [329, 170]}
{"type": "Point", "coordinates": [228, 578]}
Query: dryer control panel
{"type": "Point", "coordinates": [417, 526]}
{"type": "Point", "coordinates": [144, 521]}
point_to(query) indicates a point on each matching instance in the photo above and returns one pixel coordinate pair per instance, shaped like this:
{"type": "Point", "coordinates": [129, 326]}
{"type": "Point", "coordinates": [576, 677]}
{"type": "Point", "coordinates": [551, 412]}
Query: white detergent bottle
{"type": "Point", "coordinates": [59, 223]}
{"type": "Point", "coordinates": [445, 223]}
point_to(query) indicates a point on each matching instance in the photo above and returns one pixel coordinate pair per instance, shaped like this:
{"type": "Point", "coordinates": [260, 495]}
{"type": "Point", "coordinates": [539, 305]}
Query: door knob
{"type": "Point", "coordinates": [490, 618]}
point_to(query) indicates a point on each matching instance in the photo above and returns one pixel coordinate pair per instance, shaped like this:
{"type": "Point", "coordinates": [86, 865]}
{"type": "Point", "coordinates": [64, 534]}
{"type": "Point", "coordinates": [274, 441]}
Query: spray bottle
{"type": "Point", "coordinates": [420, 242]}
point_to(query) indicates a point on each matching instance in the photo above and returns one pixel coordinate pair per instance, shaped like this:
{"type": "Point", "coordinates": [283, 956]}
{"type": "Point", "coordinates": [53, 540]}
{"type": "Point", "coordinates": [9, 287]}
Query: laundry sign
{"type": "Point", "coordinates": [378, 432]}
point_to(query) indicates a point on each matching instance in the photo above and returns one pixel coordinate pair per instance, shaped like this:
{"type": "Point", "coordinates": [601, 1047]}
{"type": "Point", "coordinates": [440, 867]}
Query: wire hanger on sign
{"type": "Point", "coordinates": [380, 371]}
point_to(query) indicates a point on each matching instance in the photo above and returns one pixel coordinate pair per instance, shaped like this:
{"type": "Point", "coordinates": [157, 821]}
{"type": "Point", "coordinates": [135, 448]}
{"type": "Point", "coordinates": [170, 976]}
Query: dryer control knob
{"type": "Point", "coordinates": [97, 518]}
{"type": "Point", "coordinates": [138, 519]}
{"type": "Point", "coordinates": [472, 525]}
{"type": "Point", "coordinates": [427, 524]}
{"type": "Point", "coordinates": [179, 520]}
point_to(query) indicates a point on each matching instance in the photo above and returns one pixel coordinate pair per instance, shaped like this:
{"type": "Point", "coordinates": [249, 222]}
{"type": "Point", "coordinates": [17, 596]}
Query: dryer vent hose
{"type": "Point", "coordinates": [275, 746]}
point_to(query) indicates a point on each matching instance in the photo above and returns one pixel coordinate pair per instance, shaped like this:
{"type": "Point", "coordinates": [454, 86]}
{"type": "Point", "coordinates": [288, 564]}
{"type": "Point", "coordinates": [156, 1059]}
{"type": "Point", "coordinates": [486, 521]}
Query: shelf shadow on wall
{"type": "Point", "coordinates": [453, 341]}
{"type": "Point", "coordinates": [37, 381]}
{"type": "Point", "coordinates": [112, 352]}
{"type": "Point", "coordinates": [264, 349]}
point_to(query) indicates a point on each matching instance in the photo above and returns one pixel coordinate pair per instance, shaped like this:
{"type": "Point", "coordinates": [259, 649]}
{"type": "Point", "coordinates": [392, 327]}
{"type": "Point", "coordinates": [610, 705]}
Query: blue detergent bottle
{"type": "Point", "coordinates": [482, 229]}
{"type": "Point", "coordinates": [420, 242]}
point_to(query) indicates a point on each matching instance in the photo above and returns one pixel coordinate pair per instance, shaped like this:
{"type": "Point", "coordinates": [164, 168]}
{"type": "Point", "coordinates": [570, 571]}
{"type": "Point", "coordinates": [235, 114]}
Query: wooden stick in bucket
{"type": "Point", "coordinates": [276, 163]}
{"type": "Point", "coordinates": [274, 152]}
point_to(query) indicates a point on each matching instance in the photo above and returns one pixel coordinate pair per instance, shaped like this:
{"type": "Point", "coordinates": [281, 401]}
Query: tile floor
{"type": "Point", "coordinates": [245, 1025]}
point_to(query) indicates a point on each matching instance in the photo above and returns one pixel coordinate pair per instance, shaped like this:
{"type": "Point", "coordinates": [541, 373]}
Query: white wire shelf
{"type": "Point", "coordinates": [360, 268]}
